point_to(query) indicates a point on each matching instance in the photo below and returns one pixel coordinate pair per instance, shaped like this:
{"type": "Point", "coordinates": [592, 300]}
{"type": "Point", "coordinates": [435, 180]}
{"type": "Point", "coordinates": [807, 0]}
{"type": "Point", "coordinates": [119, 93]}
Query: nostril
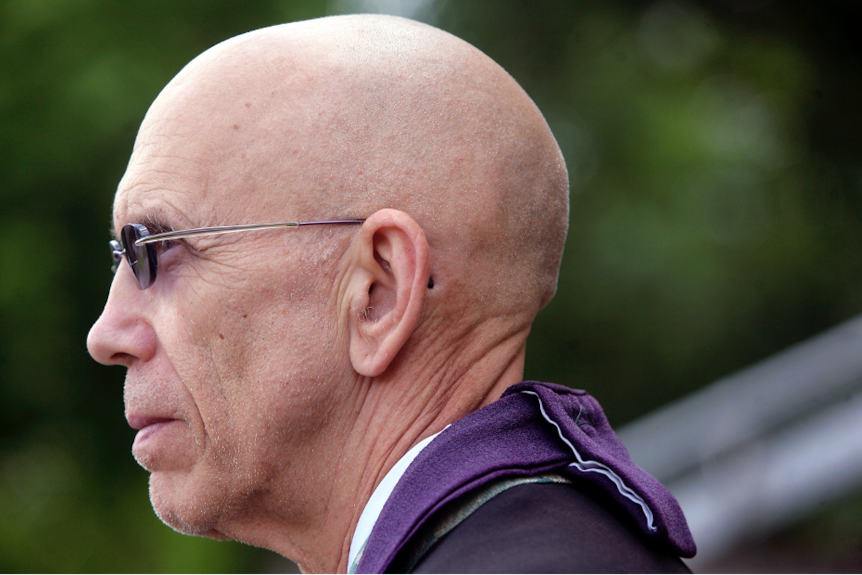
{"type": "Point", "coordinates": [122, 359]}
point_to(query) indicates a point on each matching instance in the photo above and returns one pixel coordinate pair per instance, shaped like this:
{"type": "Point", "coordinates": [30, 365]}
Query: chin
{"type": "Point", "coordinates": [188, 511]}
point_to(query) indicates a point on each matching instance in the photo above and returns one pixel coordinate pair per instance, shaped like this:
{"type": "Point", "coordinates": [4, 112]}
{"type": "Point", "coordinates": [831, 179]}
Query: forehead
{"type": "Point", "coordinates": [164, 180]}
{"type": "Point", "coordinates": [200, 161]}
{"type": "Point", "coordinates": [257, 131]}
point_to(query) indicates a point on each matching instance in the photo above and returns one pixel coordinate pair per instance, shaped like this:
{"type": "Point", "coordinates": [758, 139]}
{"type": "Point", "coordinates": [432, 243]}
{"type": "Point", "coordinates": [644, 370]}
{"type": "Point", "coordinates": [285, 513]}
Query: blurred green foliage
{"type": "Point", "coordinates": [714, 220]}
{"type": "Point", "coordinates": [714, 151]}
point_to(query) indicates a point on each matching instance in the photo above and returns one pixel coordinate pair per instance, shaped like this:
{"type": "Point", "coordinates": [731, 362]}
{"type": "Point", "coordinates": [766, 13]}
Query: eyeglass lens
{"type": "Point", "coordinates": [142, 259]}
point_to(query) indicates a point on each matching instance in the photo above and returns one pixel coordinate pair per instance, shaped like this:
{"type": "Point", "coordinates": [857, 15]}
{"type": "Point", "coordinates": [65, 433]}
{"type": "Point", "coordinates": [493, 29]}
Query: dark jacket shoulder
{"type": "Point", "coordinates": [547, 528]}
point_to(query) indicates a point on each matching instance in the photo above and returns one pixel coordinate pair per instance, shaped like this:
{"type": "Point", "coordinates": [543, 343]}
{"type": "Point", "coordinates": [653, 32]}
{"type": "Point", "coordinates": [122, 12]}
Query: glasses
{"type": "Point", "coordinates": [139, 246]}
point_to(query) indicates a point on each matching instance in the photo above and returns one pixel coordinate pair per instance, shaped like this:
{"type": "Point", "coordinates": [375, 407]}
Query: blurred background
{"type": "Point", "coordinates": [715, 151]}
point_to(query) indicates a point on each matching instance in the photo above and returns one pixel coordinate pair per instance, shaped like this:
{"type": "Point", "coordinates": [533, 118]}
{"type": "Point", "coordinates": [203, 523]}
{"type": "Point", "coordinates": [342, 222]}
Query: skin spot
{"type": "Point", "coordinates": [248, 104]}
{"type": "Point", "coordinates": [236, 126]}
{"type": "Point", "coordinates": [221, 335]}
{"type": "Point", "coordinates": [245, 315]}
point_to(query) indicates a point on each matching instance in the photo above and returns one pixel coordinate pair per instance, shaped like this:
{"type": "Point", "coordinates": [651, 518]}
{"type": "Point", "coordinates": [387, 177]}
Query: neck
{"type": "Point", "coordinates": [378, 422]}
{"type": "Point", "coordinates": [399, 411]}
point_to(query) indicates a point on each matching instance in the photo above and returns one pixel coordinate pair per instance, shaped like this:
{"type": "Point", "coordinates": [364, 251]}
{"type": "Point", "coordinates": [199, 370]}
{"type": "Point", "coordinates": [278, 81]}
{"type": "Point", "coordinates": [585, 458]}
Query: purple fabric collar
{"type": "Point", "coordinates": [534, 428]}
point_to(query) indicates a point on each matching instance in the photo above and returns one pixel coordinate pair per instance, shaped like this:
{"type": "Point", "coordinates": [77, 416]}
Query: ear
{"type": "Point", "coordinates": [389, 273]}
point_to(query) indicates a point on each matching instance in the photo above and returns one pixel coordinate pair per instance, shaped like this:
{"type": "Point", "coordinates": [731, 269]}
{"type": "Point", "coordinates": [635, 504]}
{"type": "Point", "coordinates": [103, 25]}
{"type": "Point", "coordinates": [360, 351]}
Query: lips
{"type": "Point", "coordinates": [148, 429]}
{"type": "Point", "coordinates": [159, 409]}
{"type": "Point", "coordinates": [149, 426]}
{"type": "Point", "coordinates": [140, 422]}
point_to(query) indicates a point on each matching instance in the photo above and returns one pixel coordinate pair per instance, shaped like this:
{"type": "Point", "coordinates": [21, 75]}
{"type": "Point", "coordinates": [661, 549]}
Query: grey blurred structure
{"type": "Point", "coordinates": [766, 446]}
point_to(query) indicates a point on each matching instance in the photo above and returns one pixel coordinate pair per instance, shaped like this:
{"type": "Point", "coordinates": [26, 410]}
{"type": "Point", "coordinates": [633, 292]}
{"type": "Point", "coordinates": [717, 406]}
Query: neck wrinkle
{"type": "Point", "coordinates": [394, 412]}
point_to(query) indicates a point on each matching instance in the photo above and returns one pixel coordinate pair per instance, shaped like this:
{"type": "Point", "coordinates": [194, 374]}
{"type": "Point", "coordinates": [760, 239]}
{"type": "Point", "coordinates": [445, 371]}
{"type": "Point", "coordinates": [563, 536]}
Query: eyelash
{"type": "Point", "coordinates": [165, 245]}
{"type": "Point", "coordinates": [157, 228]}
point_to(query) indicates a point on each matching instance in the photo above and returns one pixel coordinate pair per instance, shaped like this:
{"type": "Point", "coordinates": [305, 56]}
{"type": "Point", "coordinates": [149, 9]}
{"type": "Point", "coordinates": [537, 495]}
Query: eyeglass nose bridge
{"type": "Point", "coordinates": [117, 252]}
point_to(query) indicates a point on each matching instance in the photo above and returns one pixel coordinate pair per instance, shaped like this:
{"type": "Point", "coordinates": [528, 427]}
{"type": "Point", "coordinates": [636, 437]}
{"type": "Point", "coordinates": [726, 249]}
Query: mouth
{"type": "Point", "coordinates": [148, 426]}
{"type": "Point", "coordinates": [164, 443]}
{"type": "Point", "coordinates": [141, 422]}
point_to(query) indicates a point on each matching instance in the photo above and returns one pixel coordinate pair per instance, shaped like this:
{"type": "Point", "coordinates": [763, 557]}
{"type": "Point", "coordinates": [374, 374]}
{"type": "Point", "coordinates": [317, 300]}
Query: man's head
{"type": "Point", "coordinates": [258, 361]}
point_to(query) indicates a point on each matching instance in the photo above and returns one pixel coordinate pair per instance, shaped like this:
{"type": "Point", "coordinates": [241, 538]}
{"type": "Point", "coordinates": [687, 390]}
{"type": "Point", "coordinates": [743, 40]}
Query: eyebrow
{"type": "Point", "coordinates": [156, 225]}
{"type": "Point", "coordinates": [153, 222]}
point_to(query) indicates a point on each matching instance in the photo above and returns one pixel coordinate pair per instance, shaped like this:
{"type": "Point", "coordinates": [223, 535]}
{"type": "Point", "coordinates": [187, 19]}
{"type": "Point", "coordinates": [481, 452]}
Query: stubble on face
{"type": "Point", "coordinates": [245, 328]}
{"type": "Point", "coordinates": [246, 374]}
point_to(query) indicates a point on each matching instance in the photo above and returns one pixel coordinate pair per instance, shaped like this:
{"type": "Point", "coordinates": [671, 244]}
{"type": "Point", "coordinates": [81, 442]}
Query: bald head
{"type": "Point", "coordinates": [276, 377]}
{"type": "Point", "coordinates": [344, 116]}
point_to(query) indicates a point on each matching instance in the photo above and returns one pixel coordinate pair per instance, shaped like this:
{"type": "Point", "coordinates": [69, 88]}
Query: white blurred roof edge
{"type": "Point", "coordinates": [757, 450]}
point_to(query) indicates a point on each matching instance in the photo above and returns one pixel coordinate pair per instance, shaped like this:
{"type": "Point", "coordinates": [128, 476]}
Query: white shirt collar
{"type": "Point", "coordinates": [378, 499]}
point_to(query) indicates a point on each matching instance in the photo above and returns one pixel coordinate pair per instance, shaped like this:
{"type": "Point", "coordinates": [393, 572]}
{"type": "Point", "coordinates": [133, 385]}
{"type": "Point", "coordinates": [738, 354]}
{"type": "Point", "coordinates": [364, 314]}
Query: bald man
{"type": "Point", "coordinates": [332, 239]}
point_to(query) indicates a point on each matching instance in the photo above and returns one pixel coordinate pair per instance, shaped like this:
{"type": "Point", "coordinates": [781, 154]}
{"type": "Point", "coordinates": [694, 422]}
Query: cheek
{"type": "Point", "coordinates": [259, 346]}
{"type": "Point", "coordinates": [216, 337]}
{"type": "Point", "coordinates": [263, 367]}
{"type": "Point", "coordinates": [267, 336]}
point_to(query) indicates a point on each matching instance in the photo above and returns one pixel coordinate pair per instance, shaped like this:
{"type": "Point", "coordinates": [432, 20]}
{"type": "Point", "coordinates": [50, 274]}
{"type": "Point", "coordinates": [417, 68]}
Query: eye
{"type": "Point", "coordinates": [165, 245]}
{"type": "Point", "coordinates": [155, 228]}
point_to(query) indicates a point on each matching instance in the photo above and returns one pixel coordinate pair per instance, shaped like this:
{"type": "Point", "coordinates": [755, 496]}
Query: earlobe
{"type": "Point", "coordinates": [386, 290]}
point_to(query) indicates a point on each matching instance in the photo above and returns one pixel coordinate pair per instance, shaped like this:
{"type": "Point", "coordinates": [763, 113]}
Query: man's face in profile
{"type": "Point", "coordinates": [227, 351]}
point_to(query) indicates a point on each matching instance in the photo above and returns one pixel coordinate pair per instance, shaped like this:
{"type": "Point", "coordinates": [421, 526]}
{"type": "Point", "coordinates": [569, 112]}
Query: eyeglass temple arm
{"type": "Point", "coordinates": [231, 229]}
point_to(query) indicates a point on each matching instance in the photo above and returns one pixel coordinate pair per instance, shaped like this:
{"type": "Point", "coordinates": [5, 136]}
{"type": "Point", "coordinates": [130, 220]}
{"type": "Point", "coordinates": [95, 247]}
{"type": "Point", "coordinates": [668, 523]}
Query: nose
{"type": "Point", "coordinates": [122, 335]}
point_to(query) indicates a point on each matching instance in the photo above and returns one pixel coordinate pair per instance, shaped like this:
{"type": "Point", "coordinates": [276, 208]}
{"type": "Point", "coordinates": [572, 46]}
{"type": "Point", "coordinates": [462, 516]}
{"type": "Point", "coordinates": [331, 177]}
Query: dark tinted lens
{"type": "Point", "coordinates": [142, 259]}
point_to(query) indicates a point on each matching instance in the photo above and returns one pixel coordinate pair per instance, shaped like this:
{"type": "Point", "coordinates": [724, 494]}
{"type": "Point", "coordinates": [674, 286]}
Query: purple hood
{"type": "Point", "coordinates": [534, 428]}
